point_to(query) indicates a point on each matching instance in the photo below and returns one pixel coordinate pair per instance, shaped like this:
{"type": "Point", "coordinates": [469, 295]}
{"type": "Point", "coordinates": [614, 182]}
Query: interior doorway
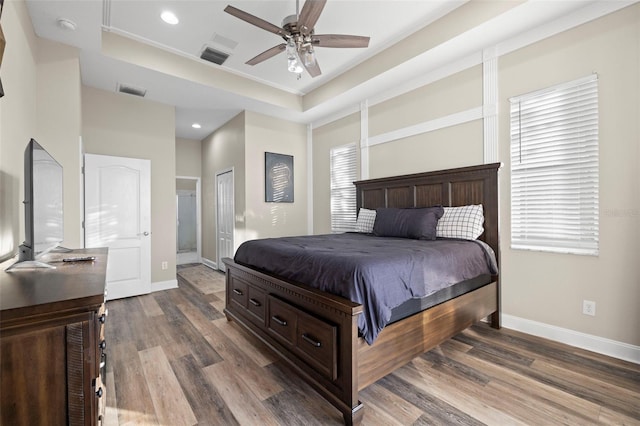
{"type": "Point", "coordinates": [188, 220]}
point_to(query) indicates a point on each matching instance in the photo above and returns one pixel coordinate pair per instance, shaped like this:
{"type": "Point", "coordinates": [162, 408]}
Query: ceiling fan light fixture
{"type": "Point", "coordinates": [309, 57]}
{"type": "Point", "coordinates": [293, 65]}
{"type": "Point", "coordinates": [293, 60]}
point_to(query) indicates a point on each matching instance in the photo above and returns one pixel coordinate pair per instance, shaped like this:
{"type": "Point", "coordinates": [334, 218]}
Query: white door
{"type": "Point", "coordinates": [225, 216]}
{"type": "Point", "coordinates": [118, 215]}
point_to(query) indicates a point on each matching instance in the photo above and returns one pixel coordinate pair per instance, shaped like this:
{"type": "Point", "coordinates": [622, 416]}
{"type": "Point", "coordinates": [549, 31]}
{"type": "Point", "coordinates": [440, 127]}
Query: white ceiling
{"type": "Point", "coordinates": [204, 23]}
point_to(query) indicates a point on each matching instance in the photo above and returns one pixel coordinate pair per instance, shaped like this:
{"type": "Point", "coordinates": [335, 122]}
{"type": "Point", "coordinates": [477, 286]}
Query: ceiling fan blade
{"type": "Point", "coordinates": [309, 15]}
{"type": "Point", "coordinates": [269, 53]}
{"type": "Point", "coordinates": [254, 20]}
{"type": "Point", "coordinates": [339, 40]}
{"type": "Point", "coordinates": [314, 69]}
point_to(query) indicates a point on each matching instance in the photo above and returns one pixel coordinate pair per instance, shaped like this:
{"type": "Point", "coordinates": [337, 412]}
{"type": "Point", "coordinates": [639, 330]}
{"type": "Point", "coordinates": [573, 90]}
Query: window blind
{"type": "Point", "coordinates": [343, 191]}
{"type": "Point", "coordinates": [554, 169]}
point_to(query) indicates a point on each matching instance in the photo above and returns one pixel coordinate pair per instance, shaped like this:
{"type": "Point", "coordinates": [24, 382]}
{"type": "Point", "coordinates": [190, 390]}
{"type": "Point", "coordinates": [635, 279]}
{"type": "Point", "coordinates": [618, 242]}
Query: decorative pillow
{"type": "Point", "coordinates": [461, 222]}
{"type": "Point", "coordinates": [366, 219]}
{"type": "Point", "coordinates": [418, 223]}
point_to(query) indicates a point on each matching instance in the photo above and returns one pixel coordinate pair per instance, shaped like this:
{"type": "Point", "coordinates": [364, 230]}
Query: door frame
{"type": "Point", "coordinates": [233, 215]}
{"type": "Point", "coordinates": [198, 215]}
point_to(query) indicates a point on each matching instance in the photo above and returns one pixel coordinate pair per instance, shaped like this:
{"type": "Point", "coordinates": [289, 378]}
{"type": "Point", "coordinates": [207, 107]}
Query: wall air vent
{"type": "Point", "coordinates": [131, 90]}
{"type": "Point", "coordinates": [213, 55]}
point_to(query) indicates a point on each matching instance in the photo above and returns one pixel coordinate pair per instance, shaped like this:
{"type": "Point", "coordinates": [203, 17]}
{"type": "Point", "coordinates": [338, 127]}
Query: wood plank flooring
{"type": "Point", "coordinates": [173, 359]}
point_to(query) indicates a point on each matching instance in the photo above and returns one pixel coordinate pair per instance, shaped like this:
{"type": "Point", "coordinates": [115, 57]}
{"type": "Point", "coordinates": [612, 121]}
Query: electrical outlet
{"type": "Point", "coordinates": [165, 265]}
{"type": "Point", "coordinates": [589, 307]}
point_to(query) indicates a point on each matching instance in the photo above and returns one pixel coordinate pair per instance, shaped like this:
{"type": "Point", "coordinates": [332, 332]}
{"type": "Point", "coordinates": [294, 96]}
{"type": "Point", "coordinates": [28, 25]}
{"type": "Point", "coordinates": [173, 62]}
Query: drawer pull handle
{"type": "Point", "coordinates": [99, 392]}
{"type": "Point", "coordinates": [254, 302]}
{"type": "Point", "coordinates": [102, 318]}
{"type": "Point", "coordinates": [279, 320]}
{"type": "Point", "coordinates": [103, 345]}
{"type": "Point", "coordinates": [238, 292]}
{"type": "Point", "coordinates": [311, 340]}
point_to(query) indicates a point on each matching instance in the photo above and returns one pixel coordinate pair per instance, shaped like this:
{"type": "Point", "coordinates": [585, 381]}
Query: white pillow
{"type": "Point", "coordinates": [461, 222]}
{"type": "Point", "coordinates": [366, 219]}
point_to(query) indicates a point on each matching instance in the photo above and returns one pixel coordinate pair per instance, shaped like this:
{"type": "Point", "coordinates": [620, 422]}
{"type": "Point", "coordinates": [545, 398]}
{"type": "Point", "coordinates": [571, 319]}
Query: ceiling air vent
{"type": "Point", "coordinates": [213, 55]}
{"type": "Point", "coordinates": [132, 90]}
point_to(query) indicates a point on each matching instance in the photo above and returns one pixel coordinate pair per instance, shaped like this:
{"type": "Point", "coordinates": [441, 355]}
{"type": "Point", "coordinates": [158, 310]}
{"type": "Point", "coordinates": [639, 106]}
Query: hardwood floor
{"type": "Point", "coordinates": [173, 359]}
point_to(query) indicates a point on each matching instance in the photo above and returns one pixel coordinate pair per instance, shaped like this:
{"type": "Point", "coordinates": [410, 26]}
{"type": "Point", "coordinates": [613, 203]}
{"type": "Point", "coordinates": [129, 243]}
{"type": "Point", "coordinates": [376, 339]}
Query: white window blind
{"type": "Point", "coordinates": [343, 191]}
{"type": "Point", "coordinates": [554, 169]}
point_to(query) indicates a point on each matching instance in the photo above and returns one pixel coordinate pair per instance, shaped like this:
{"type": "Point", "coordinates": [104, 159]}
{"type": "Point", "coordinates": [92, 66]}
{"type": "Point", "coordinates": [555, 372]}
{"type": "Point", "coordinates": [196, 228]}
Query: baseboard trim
{"type": "Point", "coordinates": [164, 285]}
{"type": "Point", "coordinates": [210, 263]}
{"type": "Point", "coordinates": [589, 342]}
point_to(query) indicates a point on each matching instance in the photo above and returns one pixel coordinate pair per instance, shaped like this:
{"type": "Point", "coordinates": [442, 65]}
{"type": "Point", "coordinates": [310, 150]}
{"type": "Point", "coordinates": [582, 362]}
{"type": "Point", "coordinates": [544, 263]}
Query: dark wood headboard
{"type": "Point", "coordinates": [450, 188]}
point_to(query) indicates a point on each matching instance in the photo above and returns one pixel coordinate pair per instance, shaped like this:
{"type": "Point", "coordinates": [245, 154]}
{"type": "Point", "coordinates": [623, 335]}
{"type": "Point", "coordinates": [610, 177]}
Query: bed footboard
{"type": "Point", "coordinates": [402, 341]}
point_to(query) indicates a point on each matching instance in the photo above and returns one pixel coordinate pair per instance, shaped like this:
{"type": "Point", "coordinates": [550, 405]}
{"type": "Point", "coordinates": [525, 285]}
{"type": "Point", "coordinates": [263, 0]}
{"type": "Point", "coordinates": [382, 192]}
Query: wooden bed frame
{"type": "Point", "coordinates": [316, 333]}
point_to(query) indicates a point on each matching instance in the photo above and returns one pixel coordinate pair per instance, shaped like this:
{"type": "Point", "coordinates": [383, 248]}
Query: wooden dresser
{"type": "Point", "coordinates": [52, 344]}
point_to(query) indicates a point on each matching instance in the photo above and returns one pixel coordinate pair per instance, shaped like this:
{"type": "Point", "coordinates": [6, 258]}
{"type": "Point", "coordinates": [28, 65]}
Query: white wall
{"type": "Point", "coordinates": [17, 121]}
{"type": "Point", "coordinates": [541, 292]}
{"type": "Point", "coordinates": [223, 150]}
{"type": "Point", "coordinates": [127, 126]}
{"type": "Point", "coordinates": [59, 126]}
{"type": "Point", "coordinates": [44, 100]}
{"type": "Point", "coordinates": [268, 134]}
{"type": "Point", "coordinates": [337, 133]}
{"type": "Point", "coordinates": [240, 144]}
{"type": "Point", "coordinates": [432, 150]}
{"type": "Point", "coordinates": [549, 288]}
{"type": "Point", "coordinates": [188, 157]}
{"type": "Point", "coordinates": [41, 80]}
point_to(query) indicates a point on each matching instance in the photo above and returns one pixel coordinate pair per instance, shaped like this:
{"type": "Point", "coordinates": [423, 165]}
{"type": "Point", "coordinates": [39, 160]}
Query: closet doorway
{"type": "Point", "coordinates": [188, 220]}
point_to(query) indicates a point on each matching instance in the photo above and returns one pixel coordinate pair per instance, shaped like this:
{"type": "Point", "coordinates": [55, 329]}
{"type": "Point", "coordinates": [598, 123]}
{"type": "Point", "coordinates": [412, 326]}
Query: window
{"type": "Point", "coordinates": [554, 169]}
{"type": "Point", "coordinates": [343, 191]}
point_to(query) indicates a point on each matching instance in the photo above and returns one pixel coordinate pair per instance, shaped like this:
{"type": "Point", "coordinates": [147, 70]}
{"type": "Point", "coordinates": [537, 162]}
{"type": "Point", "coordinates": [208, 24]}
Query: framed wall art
{"type": "Point", "coordinates": [278, 170]}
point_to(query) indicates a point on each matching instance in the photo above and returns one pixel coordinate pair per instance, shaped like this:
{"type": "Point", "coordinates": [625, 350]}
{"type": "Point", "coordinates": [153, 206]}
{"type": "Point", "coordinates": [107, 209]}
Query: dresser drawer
{"type": "Point", "coordinates": [256, 304]}
{"type": "Point", "coordinates": [313, 340]}
{"type": "Point", "coordinates": [238, 293]}
{"type": "Point", "coordinates": [282, 320]}
{"type": "Point", "coordinates": [316, 340]}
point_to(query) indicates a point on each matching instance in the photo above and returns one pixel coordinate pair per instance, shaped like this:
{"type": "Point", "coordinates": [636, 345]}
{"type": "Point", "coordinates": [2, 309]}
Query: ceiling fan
{"type": "Point", "coordinates": [300, 40]}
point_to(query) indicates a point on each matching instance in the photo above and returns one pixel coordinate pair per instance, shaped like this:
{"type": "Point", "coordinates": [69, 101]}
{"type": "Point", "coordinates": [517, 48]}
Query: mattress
{"type": "Point", "coordinates": [380, 273]}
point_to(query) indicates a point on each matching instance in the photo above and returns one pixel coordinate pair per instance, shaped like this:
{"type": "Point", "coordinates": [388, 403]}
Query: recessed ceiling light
{"type": "Point", "coordinates": [196, 126]}
{"type": "Point", "coordinates": [169, 17]}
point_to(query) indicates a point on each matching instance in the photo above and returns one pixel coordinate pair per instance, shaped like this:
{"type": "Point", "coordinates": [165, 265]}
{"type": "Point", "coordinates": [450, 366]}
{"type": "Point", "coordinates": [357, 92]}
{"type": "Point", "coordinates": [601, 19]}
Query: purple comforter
{"type": "Point", "coordinates": [378, 272]}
